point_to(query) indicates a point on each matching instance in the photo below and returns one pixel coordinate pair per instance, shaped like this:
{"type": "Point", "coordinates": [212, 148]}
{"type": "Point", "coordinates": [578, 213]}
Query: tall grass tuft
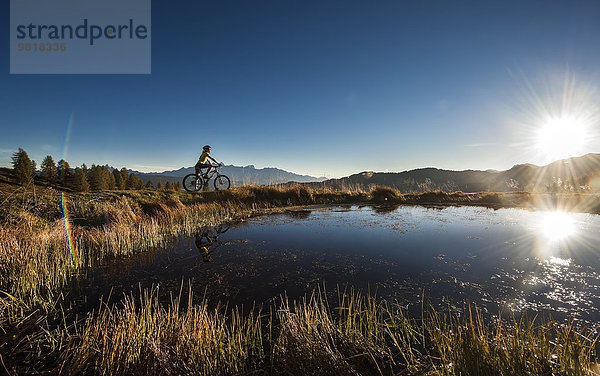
{"type": "Point", "coordinates": [534, 347]}
{"type": "Point", "coordinates": [145, 338]}
{"type": "Point", "coordinates": [312, 342]}
{"type": "Point", "coordinates": [361, 335]}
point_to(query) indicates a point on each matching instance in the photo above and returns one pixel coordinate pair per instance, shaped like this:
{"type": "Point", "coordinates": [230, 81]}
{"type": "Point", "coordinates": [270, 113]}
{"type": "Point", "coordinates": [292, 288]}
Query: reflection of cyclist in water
{"type": "Point", "coordinates": [203, 243]}
{"type": "Point", "coordinates": [207, 240]}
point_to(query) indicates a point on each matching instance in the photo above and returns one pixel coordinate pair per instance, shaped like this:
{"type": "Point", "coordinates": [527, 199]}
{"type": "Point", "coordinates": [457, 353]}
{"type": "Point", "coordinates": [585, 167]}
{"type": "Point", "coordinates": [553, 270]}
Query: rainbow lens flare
{"type": "Point", "coordinates": [67, 227]}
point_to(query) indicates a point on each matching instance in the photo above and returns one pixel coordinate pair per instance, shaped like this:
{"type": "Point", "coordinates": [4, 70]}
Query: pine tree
{"type": "Point", "coordinates": [49, 169]}
{"type": "Point", "coordinates": [80, 182]}
{"type": "Point", "coordinates": [95, 178]}
{"type": "Point", "coordinates": [160, 186]}
{"type": "Point", "coordinates": [65, 173]}
{"type": "Point", "coordinates": [125, 178]}
{"type": "Point", "coordinates": [23, 166]}
{"type": "Point", "coordinates": [149, 185]}
{"type": "Point", "coordinates": [119, 182]}
{"type": "Point", "coordinates": [134, 182]}
{"type": "Point", "coordinates": [111, 182]}
{"type": "Point", "coordinates": [101, 179]}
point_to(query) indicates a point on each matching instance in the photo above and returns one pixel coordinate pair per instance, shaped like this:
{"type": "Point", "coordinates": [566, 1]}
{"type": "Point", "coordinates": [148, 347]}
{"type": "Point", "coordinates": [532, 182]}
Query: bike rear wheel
{"type": "Point", "coordinates": [221, 182]}
{"type": "Point", "coordinates": [191, 183]}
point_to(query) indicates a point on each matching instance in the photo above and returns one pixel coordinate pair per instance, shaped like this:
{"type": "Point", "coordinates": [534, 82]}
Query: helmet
{"type": "Point", "coordinates": [206, 147]}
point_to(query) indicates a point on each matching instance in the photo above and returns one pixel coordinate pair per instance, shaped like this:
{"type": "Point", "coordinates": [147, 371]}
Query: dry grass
{"type": "Point", "coordinates": [146, 338]}
{"type": "Point", "coordinates": [359, 336]}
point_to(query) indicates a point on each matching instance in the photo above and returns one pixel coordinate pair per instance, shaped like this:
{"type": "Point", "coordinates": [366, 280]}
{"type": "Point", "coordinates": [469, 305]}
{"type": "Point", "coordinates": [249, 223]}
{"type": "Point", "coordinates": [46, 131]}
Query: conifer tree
{"type": "Point", "coordinates": [119, 182]}
{"type": "Point", "coordinates": [95, 178]}
{"type": "Point", "coordinates": [65, 174]}
{"type": "Point", "coordinates": [134, 182]}
{"type": "Point", "coordinates": [24, 167]}
{"type": "Point", "coordinates": [110, 179]}
{"type": "Point", "coordinates": [80, 182]}
{"type": "Point", "coordinates": [125, 178]}
{"type": "Point", "coordinates": [160, 186]}
{"type": "Point", "coordinates": [49, 169]}
{"type": "Point", "coordinates": [149, 185]}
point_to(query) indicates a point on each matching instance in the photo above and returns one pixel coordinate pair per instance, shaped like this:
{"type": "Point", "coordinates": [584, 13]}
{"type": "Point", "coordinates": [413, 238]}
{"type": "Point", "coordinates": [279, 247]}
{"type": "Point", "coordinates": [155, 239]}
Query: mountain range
{"type": "Point", "coordinates": [573, 174]}
{"type": "Point", "coordinates": [238, 175]}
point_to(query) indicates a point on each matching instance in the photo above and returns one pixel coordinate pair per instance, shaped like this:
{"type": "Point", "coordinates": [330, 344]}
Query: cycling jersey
{"type": "Point", "coordinates": [203, 157]}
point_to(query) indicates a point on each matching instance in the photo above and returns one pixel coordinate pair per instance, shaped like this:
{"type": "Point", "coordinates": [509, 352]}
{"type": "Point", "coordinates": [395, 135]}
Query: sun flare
{"type": "Point", "coordinates": [562, 137]}
{"type": "Point", "coordinates": [556, 226]}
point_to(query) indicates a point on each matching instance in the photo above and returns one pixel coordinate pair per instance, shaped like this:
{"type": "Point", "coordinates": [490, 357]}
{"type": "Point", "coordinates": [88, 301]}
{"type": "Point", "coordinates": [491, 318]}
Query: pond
{"type": "Point", "coordinates": [512, 260]}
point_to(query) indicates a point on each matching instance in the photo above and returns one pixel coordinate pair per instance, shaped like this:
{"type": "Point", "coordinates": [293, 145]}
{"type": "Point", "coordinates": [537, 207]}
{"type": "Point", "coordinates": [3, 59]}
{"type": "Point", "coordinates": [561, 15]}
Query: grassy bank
{"type": "Point", "coordinates": [356, 335]}
{"type": "Point", "coordinates": [48, 236]}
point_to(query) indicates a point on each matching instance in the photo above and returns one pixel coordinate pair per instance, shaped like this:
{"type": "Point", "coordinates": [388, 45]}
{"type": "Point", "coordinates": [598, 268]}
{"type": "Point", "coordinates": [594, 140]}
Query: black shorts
{"type": "Point", "coordinates": [201, 165]}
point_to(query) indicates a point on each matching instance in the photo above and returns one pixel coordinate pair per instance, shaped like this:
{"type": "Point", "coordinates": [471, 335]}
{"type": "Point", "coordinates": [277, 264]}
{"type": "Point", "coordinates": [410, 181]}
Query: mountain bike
{"type": "Point", "coordinates": [193, 183]}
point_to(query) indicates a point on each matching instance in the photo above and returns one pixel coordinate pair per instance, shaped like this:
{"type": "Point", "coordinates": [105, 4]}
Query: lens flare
{"type": "Point", "coordinates": [557, 117]}
{"type": "Point", "coordinates": [66, 145]}
{"type": "Point", "coordinates": [63, 200]}
{"type": "Point", "coordinates": [67, 227]}
{"type": "Point", "coordinates": [562, 137]}
{"type": "Point", "coordinates": [557, 226]}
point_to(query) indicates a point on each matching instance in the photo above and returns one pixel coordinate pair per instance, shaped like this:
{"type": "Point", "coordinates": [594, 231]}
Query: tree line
{"type": "Point", "coordinates": [82, 178]}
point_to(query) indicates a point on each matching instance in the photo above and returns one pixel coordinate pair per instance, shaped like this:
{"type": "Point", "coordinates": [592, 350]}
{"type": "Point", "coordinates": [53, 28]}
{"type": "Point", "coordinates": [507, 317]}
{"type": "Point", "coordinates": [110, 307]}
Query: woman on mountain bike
{"type": "Point", "coordinates": [203, 161]}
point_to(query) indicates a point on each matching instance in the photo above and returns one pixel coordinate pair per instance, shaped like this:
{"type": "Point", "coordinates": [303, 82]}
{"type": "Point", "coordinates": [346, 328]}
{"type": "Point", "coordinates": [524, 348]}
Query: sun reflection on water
{"type": "Point", "coordinates": [557, 226]}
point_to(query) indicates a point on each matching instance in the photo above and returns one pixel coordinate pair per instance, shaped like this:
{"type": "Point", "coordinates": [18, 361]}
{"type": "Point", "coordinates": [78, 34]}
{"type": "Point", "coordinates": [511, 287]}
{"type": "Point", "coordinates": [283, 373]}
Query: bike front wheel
{"type": "Point", "coordinates": [191, 183]}
{"type": "Point", "coordinates": [222, 182]}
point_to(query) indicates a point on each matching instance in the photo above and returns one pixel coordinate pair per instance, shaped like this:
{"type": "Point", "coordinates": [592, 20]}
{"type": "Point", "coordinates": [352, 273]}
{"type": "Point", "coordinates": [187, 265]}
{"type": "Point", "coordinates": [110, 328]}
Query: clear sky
{"type": "Point", "coordinates": [323, 87]}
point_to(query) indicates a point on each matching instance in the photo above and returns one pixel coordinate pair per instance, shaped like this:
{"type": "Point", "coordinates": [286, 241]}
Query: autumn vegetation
{"type": "Point", "coordinates": [113, 214]}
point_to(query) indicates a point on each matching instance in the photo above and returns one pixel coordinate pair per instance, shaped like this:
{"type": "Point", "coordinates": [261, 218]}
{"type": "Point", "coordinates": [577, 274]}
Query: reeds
{"type": "Point", "coordinates": [142, 337]}
{"type": "Point", "coordinates": [361, 335]}
{"type": "Point", "coordinates": [518, 347]}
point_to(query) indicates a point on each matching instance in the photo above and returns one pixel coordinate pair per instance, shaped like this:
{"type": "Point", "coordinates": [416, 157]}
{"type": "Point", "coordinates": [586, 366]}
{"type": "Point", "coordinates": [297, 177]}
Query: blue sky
{"type": "Point", "coordinates": [320, 87]}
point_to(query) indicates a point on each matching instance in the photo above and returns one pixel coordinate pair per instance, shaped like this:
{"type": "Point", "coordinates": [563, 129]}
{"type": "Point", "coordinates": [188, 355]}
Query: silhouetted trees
{"type": "Point", "coordinates": [134, 182]}
{"type": "Point", "coordinates": [100, 178]}
{"type": "Point", "coordinates": [49, 169]}
{"type": "Point", "coordinates": [65, 174]}
{"type": "Point", "coordinates": [82, 179]}
{"type": "Point", "coordinates": [23, 166]}
{"type": "Point", "coordinates": [120, 181]}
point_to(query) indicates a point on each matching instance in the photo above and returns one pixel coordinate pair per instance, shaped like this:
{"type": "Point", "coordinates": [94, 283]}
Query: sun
{"type": "Point", "coordinates": [562, 137]}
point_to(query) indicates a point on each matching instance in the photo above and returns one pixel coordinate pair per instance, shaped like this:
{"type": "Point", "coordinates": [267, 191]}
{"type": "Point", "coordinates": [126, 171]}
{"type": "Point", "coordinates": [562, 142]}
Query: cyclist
{"type": "Point", "coordinates": [203, 161]}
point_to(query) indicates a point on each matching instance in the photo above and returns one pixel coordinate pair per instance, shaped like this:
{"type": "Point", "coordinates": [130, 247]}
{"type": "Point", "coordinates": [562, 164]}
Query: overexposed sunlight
{"type": "Point", "coordinates": [557, 225]}
{"type": "Point", "coordinates": [562, 137]}
{"type": "Point", "coordinates": [558, 118]}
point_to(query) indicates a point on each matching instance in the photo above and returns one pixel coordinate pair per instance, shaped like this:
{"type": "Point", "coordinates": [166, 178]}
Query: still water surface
{"type": "Point", "coordinates": [508, 259]}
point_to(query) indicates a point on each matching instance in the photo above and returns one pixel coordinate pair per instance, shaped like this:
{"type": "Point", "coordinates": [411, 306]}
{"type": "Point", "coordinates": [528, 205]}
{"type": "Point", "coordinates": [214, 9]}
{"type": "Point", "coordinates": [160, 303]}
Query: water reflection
{"type": "Point", "coordinates": [207, 240]}
{"type": "Point", "coordinates": [499, 259]}
{"type": "Point", "coordinates": [557, 225]}
{"type": "Point", "coordinates": [299, 214]}
{"type": "Point", "coordinates": [384, 209]}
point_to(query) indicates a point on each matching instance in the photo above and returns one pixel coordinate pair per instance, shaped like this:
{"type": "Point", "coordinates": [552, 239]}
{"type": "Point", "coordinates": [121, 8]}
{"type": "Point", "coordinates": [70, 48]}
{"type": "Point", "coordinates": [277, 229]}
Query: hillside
{"type": "Point", "coordinates": [573, 174]}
